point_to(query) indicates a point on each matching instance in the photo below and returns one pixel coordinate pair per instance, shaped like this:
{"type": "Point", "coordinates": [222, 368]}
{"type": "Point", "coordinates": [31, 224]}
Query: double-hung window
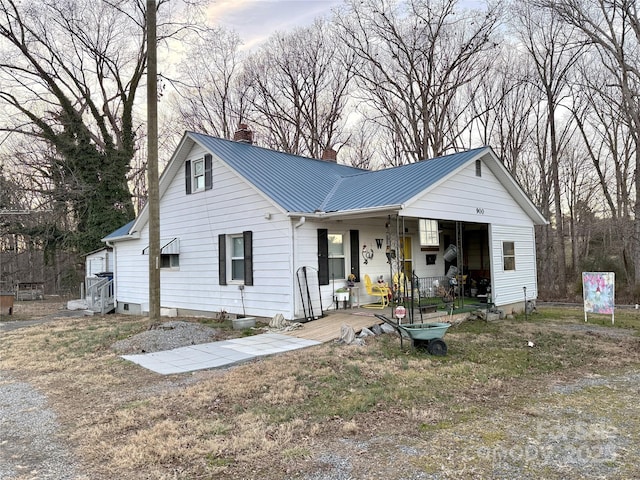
{"type": "Point", "coordinates": [235, 258]}
{"type": "Point", "coordinates": [198, 174]}
{"type": "Point", "coordinates": [508, 256]}
{"type": "Point", "coordinates": [336, 256]}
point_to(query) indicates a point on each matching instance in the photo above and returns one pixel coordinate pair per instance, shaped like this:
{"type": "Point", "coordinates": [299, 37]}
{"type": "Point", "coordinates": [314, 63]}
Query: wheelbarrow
{"type": "Point", "coordinates": [423, 335]}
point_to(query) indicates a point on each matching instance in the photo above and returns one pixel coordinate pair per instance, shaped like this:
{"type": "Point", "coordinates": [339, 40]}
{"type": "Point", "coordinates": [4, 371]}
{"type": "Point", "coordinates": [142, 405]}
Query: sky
{"type": "Point", "coordinates": [256, 20]}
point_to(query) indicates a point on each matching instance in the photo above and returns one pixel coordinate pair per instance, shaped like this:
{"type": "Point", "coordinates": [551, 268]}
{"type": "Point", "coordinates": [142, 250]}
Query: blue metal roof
{"type": "Point", "coordinates": [393, 186]}
{"type": "Point", "coordinates": [300, 184]}
{"type": "Point", "coordinates": [120, 232]}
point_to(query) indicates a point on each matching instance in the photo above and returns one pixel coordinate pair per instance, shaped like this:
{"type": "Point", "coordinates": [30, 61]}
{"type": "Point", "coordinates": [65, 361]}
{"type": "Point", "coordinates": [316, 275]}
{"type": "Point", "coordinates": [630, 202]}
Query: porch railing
{"type": "Point", "coordinates": [99, 296]}
{"type": "Point", "coordinates": [429, 287]}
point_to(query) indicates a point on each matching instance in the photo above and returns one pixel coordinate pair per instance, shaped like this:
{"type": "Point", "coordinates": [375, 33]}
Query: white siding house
{"type": "Point", "coordinates": [239, 223]}
{"type": "Point", "coordinates": [99, 261]}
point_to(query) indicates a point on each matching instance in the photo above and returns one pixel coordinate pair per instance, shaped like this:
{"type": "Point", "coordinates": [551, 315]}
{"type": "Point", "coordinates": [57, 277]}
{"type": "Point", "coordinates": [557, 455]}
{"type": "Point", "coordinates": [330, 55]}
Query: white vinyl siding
{"type": "Point", "coordinates": [232, 206]}
{"type": "Point", "coordinates": [282, 244]}
{"type": "Point", "coordinates": [508, 284]}
{"type": "Point", "coordinates": [468, 198]}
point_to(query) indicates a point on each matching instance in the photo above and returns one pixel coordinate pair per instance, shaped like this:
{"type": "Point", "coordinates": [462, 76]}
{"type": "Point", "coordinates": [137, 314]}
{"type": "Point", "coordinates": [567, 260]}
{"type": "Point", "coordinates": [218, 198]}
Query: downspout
{"type": "Point", "coordinates": [294, 256]}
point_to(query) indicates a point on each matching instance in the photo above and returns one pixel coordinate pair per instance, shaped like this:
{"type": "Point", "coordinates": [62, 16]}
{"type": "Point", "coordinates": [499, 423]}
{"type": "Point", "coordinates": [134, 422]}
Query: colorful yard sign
{"type": "Point", "coordinates": [598, 290]}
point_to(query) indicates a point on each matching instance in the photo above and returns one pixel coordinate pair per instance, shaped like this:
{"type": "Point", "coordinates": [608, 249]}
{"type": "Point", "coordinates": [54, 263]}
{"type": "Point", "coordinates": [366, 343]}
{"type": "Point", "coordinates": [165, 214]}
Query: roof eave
{"type": "Point", "coordinates": [349, 213]}
{"type": "Point", "coordinates": [121, 238]}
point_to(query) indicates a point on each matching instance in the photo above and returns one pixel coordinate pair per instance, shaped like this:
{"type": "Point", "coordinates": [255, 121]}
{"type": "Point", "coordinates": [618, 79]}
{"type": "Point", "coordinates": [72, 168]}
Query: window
{"type": "Point", "coordinates": [428, 233]}
{"type": "Point", "coordinates": [198, 174]}
{"type": "Point", "coordinates": [478, 168]}
{"type": "Point", "coordinates": [508, 256]}
{"type": "Point", "coordinates": [237, 250]}
{"type": "Point", "coordinates": [336, 256]}
{"type": "Point", "coordinates": [333, 256]}
{"type": "Point", "coordinates": [169, 260]}
{"type": "Point", "coordinates": [237, 257]}
{"type": "Point", "coordinates": [169, 253]}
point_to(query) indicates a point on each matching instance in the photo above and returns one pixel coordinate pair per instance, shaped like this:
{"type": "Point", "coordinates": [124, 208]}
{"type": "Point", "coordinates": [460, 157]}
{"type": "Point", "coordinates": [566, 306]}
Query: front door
{"type": "Point", "coordinates": [407, 266]}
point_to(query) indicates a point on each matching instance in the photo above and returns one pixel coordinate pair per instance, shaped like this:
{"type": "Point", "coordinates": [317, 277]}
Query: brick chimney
{"type": "Point", "coordinates": [330, 155]}
{"type": "Point", "coordinates": [243, 134]}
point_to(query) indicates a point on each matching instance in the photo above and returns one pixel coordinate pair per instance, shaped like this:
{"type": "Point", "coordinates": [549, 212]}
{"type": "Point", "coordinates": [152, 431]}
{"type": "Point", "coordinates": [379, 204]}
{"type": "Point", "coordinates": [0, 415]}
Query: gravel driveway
{"type": "Point", "coordinates": [30, 446]}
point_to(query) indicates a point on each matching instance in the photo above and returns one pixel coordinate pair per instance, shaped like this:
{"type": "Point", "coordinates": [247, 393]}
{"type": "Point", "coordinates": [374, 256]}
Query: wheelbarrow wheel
{"type": "Point", "coordinates": [437, 347]}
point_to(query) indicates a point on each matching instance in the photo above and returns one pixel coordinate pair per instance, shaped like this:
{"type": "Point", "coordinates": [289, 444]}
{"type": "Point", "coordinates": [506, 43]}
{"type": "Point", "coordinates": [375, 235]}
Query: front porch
{"type": "Point", "coordinates": [431, 264]}
{"type": "Point", "coordinates": [328, 328]}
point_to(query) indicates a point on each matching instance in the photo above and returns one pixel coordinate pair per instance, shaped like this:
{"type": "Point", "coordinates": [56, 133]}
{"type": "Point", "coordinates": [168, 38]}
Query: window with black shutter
{"type": "Point", "coordinates": [198, 174]}
{"type": "Point", "coordinates": [239, 255]}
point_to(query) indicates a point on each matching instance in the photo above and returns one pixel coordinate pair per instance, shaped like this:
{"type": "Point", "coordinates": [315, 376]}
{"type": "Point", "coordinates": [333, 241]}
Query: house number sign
{"type": "Point", "coordinates": [479, 211]}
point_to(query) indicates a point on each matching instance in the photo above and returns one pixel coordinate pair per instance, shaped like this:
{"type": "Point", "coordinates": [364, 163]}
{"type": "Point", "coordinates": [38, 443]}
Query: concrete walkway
{"type": "Point", "coordinates": [218, 354]}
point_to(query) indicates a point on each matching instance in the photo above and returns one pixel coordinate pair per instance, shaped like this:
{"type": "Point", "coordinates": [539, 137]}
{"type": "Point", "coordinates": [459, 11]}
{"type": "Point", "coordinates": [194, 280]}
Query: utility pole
{"type": "Point", "coordinates": [152, 164]}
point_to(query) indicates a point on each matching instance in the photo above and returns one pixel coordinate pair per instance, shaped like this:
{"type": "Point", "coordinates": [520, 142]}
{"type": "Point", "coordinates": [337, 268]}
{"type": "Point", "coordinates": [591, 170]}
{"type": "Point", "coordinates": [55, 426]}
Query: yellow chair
{"type": "Point", "coordinates": [398, 284]}
{"type": "Point", "coordinates": [376, 291]}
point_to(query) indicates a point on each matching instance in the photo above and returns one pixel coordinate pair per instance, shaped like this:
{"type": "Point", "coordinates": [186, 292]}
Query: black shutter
{"type": "Point", "coordinates": [323, 256]}
{"type": "Point", "coordinates": [355, 253]}
{"type": "Point", "coordinates": [222, 259]}
{"type": "Point", "coordinates": [187, 176]}
{"type": "Point", "coordinates": [248, 257]}
{"type": "Point", "coordinates": [208, 178]}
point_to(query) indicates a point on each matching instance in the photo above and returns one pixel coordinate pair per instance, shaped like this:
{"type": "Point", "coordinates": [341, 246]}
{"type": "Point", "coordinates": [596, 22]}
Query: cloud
{"type": "Point", "coordinates": [256, 20]}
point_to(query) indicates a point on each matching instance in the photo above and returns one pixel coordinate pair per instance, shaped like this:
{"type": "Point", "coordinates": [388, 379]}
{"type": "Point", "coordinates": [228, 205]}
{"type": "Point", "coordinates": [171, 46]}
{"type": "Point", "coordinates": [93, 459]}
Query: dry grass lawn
{"type": "Point", "coordinates": [492, 408]}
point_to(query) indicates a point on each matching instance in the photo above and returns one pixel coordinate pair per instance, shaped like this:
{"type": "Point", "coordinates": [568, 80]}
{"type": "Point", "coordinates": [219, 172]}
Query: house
{"type": "Point", "coordinates": [98, 282]}
{"type": "Point", "coordinates": [98, 261]}
{"type": "Point", "coordinates": [248, 230]}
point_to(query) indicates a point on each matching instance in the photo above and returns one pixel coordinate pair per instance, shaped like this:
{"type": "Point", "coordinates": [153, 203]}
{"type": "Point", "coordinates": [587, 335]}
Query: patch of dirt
{"type": "Point", "coordinates": [167, 336]}
{"type": "Point", "coordinates": [35, 309]}
{"type": "Point", "coordinates": [598, 330]}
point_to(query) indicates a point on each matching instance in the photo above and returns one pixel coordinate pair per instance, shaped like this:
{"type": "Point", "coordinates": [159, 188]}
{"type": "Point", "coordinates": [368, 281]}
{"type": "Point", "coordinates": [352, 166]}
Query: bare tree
{"type": "Point", "coordinates": [297, 86]}
{"type": "Point", "coordinates": [361, 148]}
{"type": "Point", "coordinates": [579, 188]}
{"type": "Point", "coordinates": [553, 51]}
{"type": "Point", "coordinates": [70, 71]}
{"type": "Point", "coordinates": [504, 109]}
{"type": "Point", "coordinates": [416, 58]}
{"type": "Point", "coordinates": [208, 97]}
{"type": "Point", "coordinates": [608, 145]}
{"type": "Point", "coordinates": [613, 28]}
{"type": "Point", "coordinates": [605, 132]}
